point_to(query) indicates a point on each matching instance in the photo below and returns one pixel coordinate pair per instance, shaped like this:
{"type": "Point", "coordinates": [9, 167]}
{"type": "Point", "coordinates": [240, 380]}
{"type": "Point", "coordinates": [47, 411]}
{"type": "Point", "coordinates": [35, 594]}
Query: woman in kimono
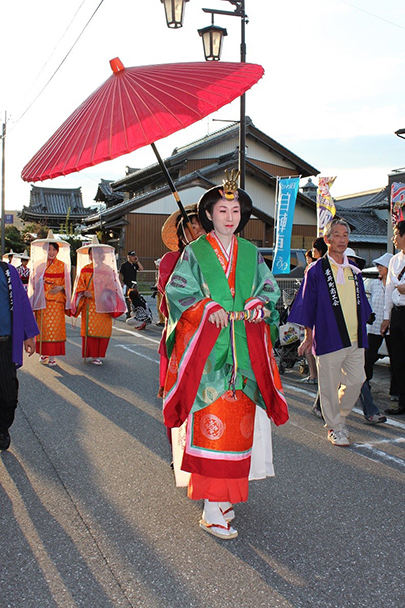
{"type": "Point", "coordinates": [49, 292]}
{"type": "Point", "coordinates": [175, 236]}
{"type": "Point", "coordinates": [98, 297]}
{"type": "Point", "coordinates": [222, 378]}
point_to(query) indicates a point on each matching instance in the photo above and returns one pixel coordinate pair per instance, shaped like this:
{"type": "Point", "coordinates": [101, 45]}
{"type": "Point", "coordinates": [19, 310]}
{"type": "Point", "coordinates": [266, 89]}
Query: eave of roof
{"type": "Point", "coordinates": [180, 155]}
{"type": "Point", "coordinates": [197, 178]}
{"type": "Point", "coordinates": [375, 239]}
{"type": "Point", "coordinates": [27, 213]}
{"type": "Point", "coordinates": [192, 179]}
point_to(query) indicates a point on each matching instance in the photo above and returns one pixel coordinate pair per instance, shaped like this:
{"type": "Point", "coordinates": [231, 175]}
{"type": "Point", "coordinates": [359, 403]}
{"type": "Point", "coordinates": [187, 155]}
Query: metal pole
{"type": "Point", "coordinates": [242, 122]}
{"type": "Point", "coordinates": [239, 12]}
{"type": "Point", "coordinates": [275, 217]}
{"type": "Point", "coordinates": [3, 187]}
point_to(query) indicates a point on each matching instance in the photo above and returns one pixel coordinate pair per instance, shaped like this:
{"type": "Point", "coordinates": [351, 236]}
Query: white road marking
{"type": "Point", "coordinates": [137, 335]}
{"type": "Point", "coordinates": [396, 423]}
{"type": "Point", "coordinates": [372, 452]}
{"type": "Point", "coordinates": [136, 353]}
{"type": "Point", "coordinates": [376, 452]}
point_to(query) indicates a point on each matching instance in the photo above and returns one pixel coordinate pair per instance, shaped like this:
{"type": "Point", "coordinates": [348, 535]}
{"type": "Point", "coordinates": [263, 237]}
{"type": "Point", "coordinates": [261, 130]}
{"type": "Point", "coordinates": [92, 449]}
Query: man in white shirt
{"type": "Point", "coordinates": [394, 314]}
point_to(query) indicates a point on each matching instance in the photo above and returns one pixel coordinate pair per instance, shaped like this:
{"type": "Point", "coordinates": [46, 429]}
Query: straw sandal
{"type": "Point", "coordinates": [215, 530]}
{"type": "Point", "coordinates": [228, 513]}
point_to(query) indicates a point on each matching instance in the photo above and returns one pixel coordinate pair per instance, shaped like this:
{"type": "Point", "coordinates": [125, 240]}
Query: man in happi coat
{"type": "Point", "coordinates": [222, 378]}
{"type": "Point", "coordinates": [332, 306]}
{"type": "Point", "coordinates": [17, 331]}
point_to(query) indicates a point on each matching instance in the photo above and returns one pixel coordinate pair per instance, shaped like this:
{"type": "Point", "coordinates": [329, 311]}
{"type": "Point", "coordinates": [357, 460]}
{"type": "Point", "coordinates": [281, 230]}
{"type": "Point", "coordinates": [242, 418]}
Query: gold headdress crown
{"type": "Point", "coordinates": [230, 185]}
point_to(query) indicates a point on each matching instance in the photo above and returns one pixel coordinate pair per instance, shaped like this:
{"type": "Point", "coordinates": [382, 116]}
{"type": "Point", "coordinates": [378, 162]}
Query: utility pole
{"type": "Point", "coordinates": [3, 187]}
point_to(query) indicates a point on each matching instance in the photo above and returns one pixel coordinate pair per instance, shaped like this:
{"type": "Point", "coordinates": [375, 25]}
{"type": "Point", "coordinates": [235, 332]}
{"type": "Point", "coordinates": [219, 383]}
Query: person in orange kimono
{"type": "Point", "coordinates": [98, 297]}
{"type": "Point", "coordinates": [49, 292]}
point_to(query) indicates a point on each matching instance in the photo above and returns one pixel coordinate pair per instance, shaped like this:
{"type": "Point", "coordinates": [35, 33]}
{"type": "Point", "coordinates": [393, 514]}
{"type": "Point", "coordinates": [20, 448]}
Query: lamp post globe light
{"type": "Point", "coordinates": [174, 10]}
{"type": "Point", "coordinates": [212, 36]}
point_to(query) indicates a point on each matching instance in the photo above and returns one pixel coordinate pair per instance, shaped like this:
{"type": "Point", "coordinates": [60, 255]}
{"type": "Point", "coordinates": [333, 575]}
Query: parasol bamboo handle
{"type": "Point", "coordinates": [187, 224]}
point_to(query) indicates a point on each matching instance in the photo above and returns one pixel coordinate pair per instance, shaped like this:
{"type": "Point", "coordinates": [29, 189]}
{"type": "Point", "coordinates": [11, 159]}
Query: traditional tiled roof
{"type": "Point", "coordinates": [106, 195]}
{"type": "Point", "coordinates": [380, 200]}
{"type": "Point", "coordinates": [180, 155]}
{"type": "Point", "coordinates": [364, 223]}
{"type": "Point", "coordinates": [229, 131]}
{"type": "Point", "coordinates": [54, 204]}
{"type": "Point", "coordinates": [202, 178]}
{"type": "Point", "coordinates": [369, 198]}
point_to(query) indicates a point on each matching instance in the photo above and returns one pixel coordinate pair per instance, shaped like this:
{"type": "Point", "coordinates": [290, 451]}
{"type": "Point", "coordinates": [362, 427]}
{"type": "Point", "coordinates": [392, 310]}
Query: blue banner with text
{"type": "Point", "coordinates": [287, 196]}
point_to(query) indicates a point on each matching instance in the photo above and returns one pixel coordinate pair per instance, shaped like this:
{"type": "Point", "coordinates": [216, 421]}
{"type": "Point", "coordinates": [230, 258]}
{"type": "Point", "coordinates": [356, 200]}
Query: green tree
{"type": "Point", "coordinates": [39, 230]}
{"type": "Point", "coordinates": [13, 240]}
{"type": "Point", "coordinates": [74, 243]}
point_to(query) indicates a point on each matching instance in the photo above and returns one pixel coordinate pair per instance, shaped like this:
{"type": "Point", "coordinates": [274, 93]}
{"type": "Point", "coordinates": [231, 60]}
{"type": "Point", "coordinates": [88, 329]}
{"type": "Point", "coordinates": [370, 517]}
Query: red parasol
{"type": "Point", "coordinates": [136, 107]}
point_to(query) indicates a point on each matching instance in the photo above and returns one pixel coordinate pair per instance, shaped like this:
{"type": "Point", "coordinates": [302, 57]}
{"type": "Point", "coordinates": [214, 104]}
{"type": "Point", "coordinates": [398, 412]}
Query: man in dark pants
{"type": "Point", "coordinates": [394, 315]}
{"type": "Point", "coordinates": [17, 329]}
{"type": "Point", "coordinates": [128, 274]}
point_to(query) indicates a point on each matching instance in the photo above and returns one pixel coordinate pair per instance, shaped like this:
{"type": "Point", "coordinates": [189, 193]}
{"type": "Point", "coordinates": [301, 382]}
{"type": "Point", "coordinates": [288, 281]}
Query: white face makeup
{"type": "Point", "coordinates": [225, 218]}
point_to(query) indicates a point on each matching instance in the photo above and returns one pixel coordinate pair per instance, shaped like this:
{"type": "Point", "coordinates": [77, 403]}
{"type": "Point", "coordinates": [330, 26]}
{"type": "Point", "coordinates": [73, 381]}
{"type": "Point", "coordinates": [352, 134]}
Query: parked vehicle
{"type": "Point", "coordinates": [297, 262]}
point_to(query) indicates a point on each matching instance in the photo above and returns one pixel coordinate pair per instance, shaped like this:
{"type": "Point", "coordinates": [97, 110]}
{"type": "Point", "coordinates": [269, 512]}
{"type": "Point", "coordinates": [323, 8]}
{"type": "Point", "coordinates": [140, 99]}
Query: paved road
{"type": "Point", "coordinates": [90, 516]}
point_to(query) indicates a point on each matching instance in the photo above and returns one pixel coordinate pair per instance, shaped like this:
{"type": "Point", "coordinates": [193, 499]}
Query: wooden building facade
{"type": "Point", "coordinates": [136, 222]}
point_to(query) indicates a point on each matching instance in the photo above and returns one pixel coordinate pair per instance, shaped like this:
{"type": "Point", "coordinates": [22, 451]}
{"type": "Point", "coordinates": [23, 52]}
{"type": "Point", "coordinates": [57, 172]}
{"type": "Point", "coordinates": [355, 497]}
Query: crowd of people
{"type": "Point", "coordinates": [218, 377]}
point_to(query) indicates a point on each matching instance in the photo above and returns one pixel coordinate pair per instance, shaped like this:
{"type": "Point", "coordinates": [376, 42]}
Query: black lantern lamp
{"type": "Point", "coordinates": [174, 10]}
{"type": "Point", "coordinates": [212, 37]}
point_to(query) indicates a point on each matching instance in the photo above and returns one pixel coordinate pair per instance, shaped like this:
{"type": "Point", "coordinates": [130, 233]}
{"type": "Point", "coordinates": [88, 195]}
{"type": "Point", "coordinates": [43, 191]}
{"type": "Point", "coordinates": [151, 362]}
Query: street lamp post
{"type": "Point", "coordinates": [212, 36]}
{"type": "Point", "coordinates": [238, 12]}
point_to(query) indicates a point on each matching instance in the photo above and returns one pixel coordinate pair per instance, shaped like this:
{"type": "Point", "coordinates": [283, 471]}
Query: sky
{"type": "Point", "coordinates": [332, 93]}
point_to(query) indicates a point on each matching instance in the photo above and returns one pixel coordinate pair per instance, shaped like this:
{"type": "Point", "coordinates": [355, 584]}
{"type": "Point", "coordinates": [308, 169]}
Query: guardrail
{"type": "Point", "coordinates": [146, 279]}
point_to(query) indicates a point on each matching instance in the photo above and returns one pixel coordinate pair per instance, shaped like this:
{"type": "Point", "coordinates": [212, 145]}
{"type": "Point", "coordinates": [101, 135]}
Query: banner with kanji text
{"type": "Point", "coordinates": [287, 196]}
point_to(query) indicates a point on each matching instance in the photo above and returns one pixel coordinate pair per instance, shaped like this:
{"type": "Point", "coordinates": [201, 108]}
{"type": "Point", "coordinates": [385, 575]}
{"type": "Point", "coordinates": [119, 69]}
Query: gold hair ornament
{"type": "Point", "coordinates": [230, 185]}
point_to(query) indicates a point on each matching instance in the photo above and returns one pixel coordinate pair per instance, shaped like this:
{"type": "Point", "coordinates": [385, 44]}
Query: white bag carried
{"type": "Point", "coordinates": [289, 333]}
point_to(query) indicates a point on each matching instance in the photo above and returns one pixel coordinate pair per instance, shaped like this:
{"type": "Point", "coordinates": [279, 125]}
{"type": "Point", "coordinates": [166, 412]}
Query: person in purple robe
{"type": "Point", "coordinates": [332, 306]}
{"type": "Point", "coordinates": [17, 331]}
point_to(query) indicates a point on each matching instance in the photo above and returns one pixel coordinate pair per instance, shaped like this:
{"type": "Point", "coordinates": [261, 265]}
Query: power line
{"type": "Point", "coordinates": [60, 65]}
{"type": "Point", "coordinates": [372, 14]}
{"type": "Point", "coordinates": [56, 46]}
